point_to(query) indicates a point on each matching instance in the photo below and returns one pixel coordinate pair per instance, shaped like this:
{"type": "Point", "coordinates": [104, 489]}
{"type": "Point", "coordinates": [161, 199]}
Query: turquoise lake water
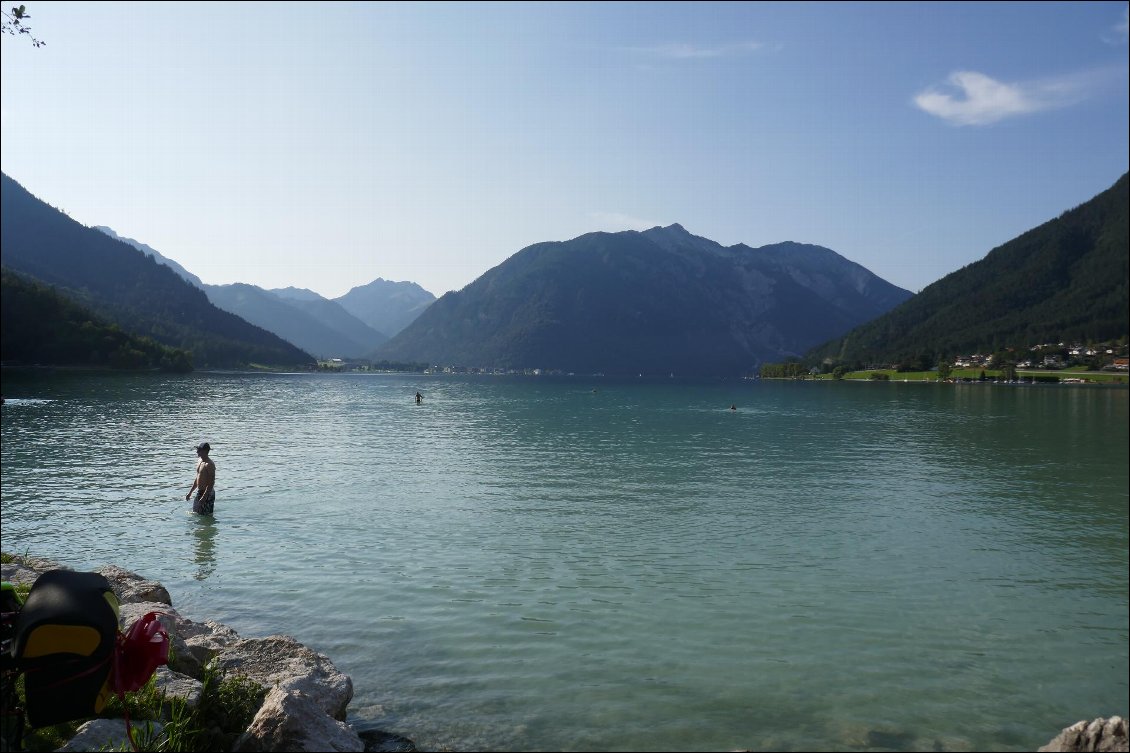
{"type": "Point", "coordinates": [527, 563]}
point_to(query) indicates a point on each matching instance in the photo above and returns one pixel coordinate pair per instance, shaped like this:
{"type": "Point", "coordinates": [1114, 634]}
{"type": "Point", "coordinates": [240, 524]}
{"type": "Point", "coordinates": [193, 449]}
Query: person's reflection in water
{"type": "Point", "coordinates": [204, 531]}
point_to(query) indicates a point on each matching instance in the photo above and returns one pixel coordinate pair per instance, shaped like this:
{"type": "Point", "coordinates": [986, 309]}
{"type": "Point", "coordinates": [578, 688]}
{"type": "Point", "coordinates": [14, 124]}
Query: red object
{"type": "Point", "coordinates": [139, 652]}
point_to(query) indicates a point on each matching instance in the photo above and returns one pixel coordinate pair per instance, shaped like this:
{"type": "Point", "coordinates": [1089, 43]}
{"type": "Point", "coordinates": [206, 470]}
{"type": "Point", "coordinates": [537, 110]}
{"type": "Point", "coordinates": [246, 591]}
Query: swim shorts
{"type": "Point", "coordinates": [204, 505]}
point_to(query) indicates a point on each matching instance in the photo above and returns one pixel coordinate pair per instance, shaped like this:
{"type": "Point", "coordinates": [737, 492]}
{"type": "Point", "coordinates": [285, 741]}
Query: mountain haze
{"type": "Point", "coordinates": [296, 294]}
{"type": "Point", "coordinates": [304, 318]}
{"type": "Point", "coordinates": [150, 251]}
{"type": "Point", "coordinates": [321, 332]}
{"type": "Point", "coordinates": [655, 302]}
{"type": "Point", "coordinates": [122, 284]}
{"type": "Point", "coordinates": [386, 306]}
{"type": "Point", "coordinates": [1064, 281]}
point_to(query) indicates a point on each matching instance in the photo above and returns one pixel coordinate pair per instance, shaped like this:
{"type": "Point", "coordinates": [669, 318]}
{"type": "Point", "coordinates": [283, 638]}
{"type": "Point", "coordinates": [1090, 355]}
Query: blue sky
{"type": "Point", "coordinates": [323, 145]}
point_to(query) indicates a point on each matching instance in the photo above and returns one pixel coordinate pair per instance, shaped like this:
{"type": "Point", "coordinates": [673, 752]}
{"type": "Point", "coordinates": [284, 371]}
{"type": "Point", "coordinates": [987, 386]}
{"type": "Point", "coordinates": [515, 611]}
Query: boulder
{"type": "Point", "coordinates": [192, 644]}
{"type": "Point", "coordinates": [24, 570]}
{"type": "Point", "coordinates": [291, 720]}
{"type": "Point", "coordinates": [175, 685]}
{"type": "Point", "coordinates": [281, 661]}
{"type": "Point", "coordinates": [131, 587]}
{"type": "Point", "coordinates": [1098, 735]}
{"type": "Point", "coordinates": [199, 642]}
{"type": "Point", "coordinates": [13, 572]}
{"type": "Point", "coordinates": [110, 734]}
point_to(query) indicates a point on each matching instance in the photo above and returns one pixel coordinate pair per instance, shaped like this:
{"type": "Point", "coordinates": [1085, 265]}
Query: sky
{"type": "Point", "coordinates": [324, 145]}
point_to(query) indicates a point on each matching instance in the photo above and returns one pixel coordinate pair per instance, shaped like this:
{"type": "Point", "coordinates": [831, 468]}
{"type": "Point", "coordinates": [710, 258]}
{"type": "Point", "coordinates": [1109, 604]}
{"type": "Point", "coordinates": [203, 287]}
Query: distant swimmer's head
{"type": "Point", "coordinates": [203, 447]}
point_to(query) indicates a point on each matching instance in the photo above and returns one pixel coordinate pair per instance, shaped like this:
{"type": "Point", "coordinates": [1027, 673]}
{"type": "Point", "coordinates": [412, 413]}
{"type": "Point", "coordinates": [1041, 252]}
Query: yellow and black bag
{"type": "Point", "coordinates": [65, 639]}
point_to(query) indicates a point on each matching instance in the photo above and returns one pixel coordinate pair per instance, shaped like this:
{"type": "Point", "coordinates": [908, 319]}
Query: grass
{"type": "Point", "coordinates": [227, 707]}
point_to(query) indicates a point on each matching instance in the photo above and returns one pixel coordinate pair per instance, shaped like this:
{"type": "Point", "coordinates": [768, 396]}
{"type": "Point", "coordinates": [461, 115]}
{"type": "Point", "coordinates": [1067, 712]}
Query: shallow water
{"type": "Point", "coordinates": [587, 563]}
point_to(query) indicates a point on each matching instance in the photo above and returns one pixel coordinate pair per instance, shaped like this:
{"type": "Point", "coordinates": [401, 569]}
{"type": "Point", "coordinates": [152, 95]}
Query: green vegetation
{"type": "Point", "coordinates": [39, 326]}
{"type": "Point", "coordinates": [1064, 281]}
{"type": "Point", "coordinates": [787, 370]}
{"type": "Point", "coordinates": [14, 23]}
{"type": "Point", "coordinates": [978, 375]}
{"type": "Point", "coordinates": [227, 707]}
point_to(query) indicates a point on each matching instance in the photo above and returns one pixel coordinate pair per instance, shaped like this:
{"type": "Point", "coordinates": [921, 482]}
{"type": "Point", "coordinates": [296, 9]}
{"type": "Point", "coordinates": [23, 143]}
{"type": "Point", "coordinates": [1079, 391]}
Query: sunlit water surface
{"type": "Point", "coordinates": [598, 564]}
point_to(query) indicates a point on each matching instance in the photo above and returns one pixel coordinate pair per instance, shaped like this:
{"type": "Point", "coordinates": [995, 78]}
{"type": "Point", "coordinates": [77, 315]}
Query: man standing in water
{"type": "Point", "coordinates": [204, 483]}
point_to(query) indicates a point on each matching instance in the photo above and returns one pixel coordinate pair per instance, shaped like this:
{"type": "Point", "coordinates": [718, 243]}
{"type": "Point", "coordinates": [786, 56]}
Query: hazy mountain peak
{"type": "Point", "coordinates": [385, 305]}
{"type": "Point", "coordinates": [674, 230]}
{"type": "Point", "coordinates": [150, 251]}
{"type": "Point", "coordinates": [381, 283]}
{"type": "Point", "coordinates": [297, 294]}
{"type": "Point", "coordinates": [675, 236]}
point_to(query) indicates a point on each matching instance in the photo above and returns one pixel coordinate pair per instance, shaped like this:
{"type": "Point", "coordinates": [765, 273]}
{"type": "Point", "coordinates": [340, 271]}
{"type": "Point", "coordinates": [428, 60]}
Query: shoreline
{"type": "Point", "coordinates": [304, 700]}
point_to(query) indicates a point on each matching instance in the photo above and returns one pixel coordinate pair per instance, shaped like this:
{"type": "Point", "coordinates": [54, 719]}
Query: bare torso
{"type": "Point", "coordinates": [205, 476]}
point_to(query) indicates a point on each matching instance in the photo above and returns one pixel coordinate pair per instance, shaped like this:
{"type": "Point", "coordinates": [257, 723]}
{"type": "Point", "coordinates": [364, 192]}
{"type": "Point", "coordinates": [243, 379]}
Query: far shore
{"type": "Point", "coordinates": [977, 376]}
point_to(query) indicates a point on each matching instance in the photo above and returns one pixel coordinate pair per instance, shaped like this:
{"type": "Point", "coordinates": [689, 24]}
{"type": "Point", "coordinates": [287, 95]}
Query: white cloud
{"type": "Point", "coordinates": [615, 221]}
{"type": "Point", "coordinates": [1122, 30]}
{"type": "Point", "coordinates": [981, 100]}
{"type": "Point", "coordinates": [688, 51]}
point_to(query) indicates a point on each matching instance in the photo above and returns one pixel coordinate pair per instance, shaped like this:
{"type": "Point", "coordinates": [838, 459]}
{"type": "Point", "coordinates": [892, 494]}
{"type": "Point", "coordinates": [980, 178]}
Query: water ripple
{"type": "Point", "coordinates": [534, 564]}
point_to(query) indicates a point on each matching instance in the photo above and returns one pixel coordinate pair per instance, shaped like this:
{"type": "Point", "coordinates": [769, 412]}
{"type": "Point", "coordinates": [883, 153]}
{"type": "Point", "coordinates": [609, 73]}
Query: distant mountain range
{"type": "Point", "coordinates": [124, 286]}
{"type": "Point", "coordinates": [655, 302]}
{"type": "Point", "coordinates": [1064, 281]}
{"type": "Point", "coordinates": [320, 327]}
{"type": "Point", "coordinates": [346, 327]}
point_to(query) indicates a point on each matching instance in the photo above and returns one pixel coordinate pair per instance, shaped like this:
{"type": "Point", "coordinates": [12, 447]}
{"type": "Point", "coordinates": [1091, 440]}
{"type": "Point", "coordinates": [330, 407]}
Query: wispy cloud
{"type": "Point", "coordinates": [973, 98]}
{"type": "Point", "coordinates": [1121, 30]}
{"type": "Point", "coordinates": [614, 221]}
{"type": "Point", "coordinates": [690, 51]}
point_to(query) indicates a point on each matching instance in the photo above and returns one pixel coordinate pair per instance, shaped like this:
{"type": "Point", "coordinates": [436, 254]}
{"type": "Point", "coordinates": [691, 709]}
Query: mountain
{"type": "Point", "coordinates": [386, 306]}
{"type": "Point", "coordinates": [38, 326]}
{"type": "Point", "coordinates": [655, 302]}
{"type": "Point", "coordinates": [1064, 281]}
{"type": "Point", "coordinates": [306, 319]}
{"type": "Point", "coordinates": [333, 315]}
{"type": "Point", "coordinates": [128, 288]}
{"type": "Point", "coordinates": [296, 294]}
{"type": "Point", "coordinates": [150, 251]}
{"type": "Point", "coordinates": [316, 325]}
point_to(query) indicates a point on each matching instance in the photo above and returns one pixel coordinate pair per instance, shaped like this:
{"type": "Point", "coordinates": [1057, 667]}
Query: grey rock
{"type": "Point", "coordinates": [130, 612]}
{"type": "Point", "coordinates": [18, 574]}
{"type": "Point", "coordinates": [291, 720]}
{"type": "Point", "coordinates": [131, 587]}
{"type": "Point", "coordinates": [110, 734]}
{"type": "Point", "coordinates": [1098, 735]}
{"type": "Point", "coordinates": [175, 685]}
{"type": "Point", "coordinates": [196, 643]}
{"type": "Point", "coordinates": [25, 570]}
{"type": "Point", "coordinates": [192, 644]}
{"type": "Point", "coordinates": [280, 660]}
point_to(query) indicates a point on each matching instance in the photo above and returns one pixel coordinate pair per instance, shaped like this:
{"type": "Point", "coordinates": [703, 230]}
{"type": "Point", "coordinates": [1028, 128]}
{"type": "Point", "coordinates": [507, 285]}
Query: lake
{"type": "Point", "coordinates": [556, 563]}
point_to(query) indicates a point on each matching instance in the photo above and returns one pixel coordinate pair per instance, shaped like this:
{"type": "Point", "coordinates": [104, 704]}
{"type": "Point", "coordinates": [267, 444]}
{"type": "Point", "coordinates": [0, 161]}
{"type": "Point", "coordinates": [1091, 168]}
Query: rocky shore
{"type": "Point", "coordinates": [306, 697]}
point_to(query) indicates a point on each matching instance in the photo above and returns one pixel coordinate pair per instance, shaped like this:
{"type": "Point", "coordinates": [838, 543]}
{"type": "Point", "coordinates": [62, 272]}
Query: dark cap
{"type": "Point", "coordinates": [204, 446]}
